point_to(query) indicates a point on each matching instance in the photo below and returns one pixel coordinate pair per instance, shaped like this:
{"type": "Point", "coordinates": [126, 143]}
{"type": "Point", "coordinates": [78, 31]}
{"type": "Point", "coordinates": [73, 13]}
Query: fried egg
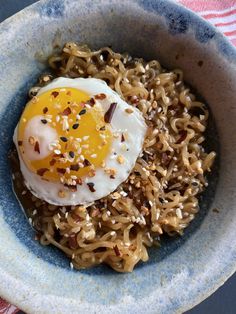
{"type": "Point", "coordinates": [77, 141]}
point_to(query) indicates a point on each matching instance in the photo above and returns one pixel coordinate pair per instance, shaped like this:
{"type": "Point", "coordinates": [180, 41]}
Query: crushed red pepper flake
{"type": "Point", "coordinates": [52, 162]}
{"type": "Point", "coordinates": [116, 250]}
{"type": "Point", "coordinates": [91, 186]}
{"type": "Point", "coordinates": [79, 181]}
{"type": "Point", "coordinates": [20, 143]}
{"type": "Point", "coordinates": [92, 102]}
{"type": "Point", "coordinates": [54, 94]}
{"type": "Point", "coordinates": [45, 110]}
{"type": "Point", "coordinates": [87, 163]}
{"type": "Point", "coordinates": [41, 171]}
{"type": "Point", "coordinates": [36, 147]}
{"type": "Point", "coordinates": [73, 241]}
{"type": "Point", "coordinates": [122, 138]}
{"type": "Point", "coordinates": [110, 112]}
{"type": "Point", "coordinates": [183, 135]}
{"type": "Point", "coordinates": [112, 176]}
{"type": "Point", "coordinates": [74, 167]}
{"type": "Point", "coordinates": [73, 188]}
{"type": "Point", "coordinates": [100, 96]}
{"type": "Point", "coordinates": [66, 111]}
{"type": "Point", "coordinates": [103, 128]}
{"type": "Point", "coordinates": [61, 170]}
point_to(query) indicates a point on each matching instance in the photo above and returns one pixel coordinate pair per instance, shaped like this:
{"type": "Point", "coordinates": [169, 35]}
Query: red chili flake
{"type": "Point", "coordinates": [73, 188]}
{"type": "Point", "coordinates": [79, 181]}
{"type": "Point", "coordinates": [20, 143]}
{"type": "Point", "coordinates": [45, 110]}
{"type": "Point", "coordinates": [73, 242]}
{"type": "Point", "coordinates": [117, 251]}
{"type": "Point", "coordinates": [74, 167]}
{"type": "Point", "coordinates": [91, 186]}
{"type": "Point", "coordinates": [76, 217]}
{"type": "Point", "coordinates": [122, 138]}
{"type": "Point", "coordinates": [64, 139]}
{"type": "Point", "coordinates": [52, 162]}
{"type": "Point", "coordinates": [87, 163]}
{"type": "Point", "coordinates": [165, 159]}
{"type": "Point", "coordinates": [41, 171]}
{"type": "Point", "coordinates": [61, 170]}
{"type": "Point", "coordinates": [36, 147]}
{"type": "Point", "coordinates": [110, 112]}
{"type": "Point", "coordinates": [112, 176]}
{"type": "Point", "coordinates": [66, 111]}
{"type": "Point", "coordinates": [183, 135]}
{"type": "Point", "coordinates": [100, 96]}
{"type": "Point", "coordinates": [103, 128]}
{"type": "Point", "coordinates": [54, 94]}
{"type": "Point", "coordinates": [92, 102]}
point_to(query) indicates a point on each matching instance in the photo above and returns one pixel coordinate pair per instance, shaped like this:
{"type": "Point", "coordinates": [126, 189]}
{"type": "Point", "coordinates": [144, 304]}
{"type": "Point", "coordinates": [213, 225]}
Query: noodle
{"type": "Point", "coordinates": [160, 195]}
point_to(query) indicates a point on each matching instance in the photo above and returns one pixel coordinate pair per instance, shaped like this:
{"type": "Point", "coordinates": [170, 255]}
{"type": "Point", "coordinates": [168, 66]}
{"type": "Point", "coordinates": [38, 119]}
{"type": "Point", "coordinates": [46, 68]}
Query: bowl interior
{"type": "Point", "coordinates": [150, 29]}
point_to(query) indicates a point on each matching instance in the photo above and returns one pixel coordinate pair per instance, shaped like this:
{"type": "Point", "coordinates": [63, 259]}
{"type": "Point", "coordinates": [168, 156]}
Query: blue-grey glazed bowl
{"type": "Point", "coordinates": [185, 270]}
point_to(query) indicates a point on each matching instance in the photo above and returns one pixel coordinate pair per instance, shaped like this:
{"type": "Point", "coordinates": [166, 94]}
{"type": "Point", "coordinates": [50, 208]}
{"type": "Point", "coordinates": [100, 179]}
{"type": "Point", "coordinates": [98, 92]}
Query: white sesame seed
{"type": "Point", "coordinates": [113, 221]}
{"type": "Point", "coordinates": [99, 224]}
{"type": "Point", "coordinates": [93, 156]}
{"type": "Point", "coordinates": [85, 138]}
{"type": "Point", "coordinates": [66, 214]}
{"type": "Point", "coordinates": [71, 265]}
{"type": "Point", "coordinates": [150, 203]}
{"type": "Point", "coordinates": [113, 233]}
{"type": "Point", "coordinates": [30, 221]}
{"type": "Point", "coordinates": [108, 213]}
{"type": "Point", "coordinates": [85, 146]}
{"type": "Point", "coordinates": [123, 193]}
{"type": "Point", "coordinates": [57, 151]}
{"type": "Point", "coordinates": [73, 256]}
{"type": "Point", "coordinates": [179, 213]}
{"type": "Point", "coordinates": [34, 212]}
{"type": "Point", "coordinates": [174, 158]}
{"type": "Point", "coordinates": [24, 192]}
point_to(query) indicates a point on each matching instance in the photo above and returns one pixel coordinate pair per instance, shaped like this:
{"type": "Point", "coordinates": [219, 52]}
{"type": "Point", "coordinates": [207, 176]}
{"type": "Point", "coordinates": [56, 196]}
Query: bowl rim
{"type": "Point", "coordinates": [230, 55]}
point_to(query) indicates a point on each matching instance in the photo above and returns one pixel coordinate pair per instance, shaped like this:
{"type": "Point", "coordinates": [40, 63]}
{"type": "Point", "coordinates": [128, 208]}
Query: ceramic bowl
{"type": "Point", "coordinates": [185, 270]}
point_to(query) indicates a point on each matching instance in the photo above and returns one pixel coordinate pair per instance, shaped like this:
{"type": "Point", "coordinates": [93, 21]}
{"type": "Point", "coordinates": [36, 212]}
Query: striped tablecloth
{"type": "Point", "coordinates": [221, 13]}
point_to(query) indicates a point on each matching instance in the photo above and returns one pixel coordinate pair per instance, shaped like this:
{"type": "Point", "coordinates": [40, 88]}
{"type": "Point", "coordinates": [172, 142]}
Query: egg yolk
{"type": "Point", "coordinates": [84, 139]}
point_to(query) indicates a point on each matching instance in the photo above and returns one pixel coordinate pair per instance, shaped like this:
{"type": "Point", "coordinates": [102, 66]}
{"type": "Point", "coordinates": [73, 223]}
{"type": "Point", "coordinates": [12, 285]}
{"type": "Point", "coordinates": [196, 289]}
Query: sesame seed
{"type": "Point", "coordinates": [108, 213]}
{"type": "Point", "coordinates": [179, 213]}
{"type": "Point", "coordinates": [57, 151]}
{"type": "Point", "coordinates": [93, 156]}
{"type": "Point", "coordinates": [71, 265]}
{"type": "Point", "coordinates": [113, 233]}
{"type": "Point", "coordinates": [34, 212]}
{"type": "Point", "coordinates": [23, 192]}
{"type": "Point", "coordinates": [85, 138]}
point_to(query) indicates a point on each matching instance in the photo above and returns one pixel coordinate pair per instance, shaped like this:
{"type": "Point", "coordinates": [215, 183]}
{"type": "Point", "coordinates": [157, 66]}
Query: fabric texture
{"type": "Point", "coordinates": [220, 13]}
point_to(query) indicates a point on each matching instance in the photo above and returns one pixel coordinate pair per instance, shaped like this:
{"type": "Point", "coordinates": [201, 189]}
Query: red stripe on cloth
{"type": "Point", "coordinates": [226, 23]}
{"type": "Point", "coordinates": [212, 15]}
{"type": "Point", "coordinates": [230, 33]}
{"type": "Point", "coordinates": [203, 5]}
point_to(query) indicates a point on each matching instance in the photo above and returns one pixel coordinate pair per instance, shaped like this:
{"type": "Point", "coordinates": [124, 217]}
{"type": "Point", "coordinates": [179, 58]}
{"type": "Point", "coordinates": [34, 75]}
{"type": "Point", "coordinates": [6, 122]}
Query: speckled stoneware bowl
{"type": "Point", "coordinates": [185, 270]}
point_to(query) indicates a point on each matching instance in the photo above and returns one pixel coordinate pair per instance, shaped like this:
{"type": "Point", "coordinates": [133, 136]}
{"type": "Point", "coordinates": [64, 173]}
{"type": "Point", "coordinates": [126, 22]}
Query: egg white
{"type": "Point", "coordinates": [122, 122]}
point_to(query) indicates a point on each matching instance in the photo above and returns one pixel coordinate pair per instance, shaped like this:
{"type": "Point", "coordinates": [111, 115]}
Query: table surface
{"type": "Point", "coordinates": [223, 301]}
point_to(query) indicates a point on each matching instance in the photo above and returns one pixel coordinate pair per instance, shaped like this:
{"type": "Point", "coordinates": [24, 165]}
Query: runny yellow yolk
{"type": "Point", "coordinates": [84, 139]}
